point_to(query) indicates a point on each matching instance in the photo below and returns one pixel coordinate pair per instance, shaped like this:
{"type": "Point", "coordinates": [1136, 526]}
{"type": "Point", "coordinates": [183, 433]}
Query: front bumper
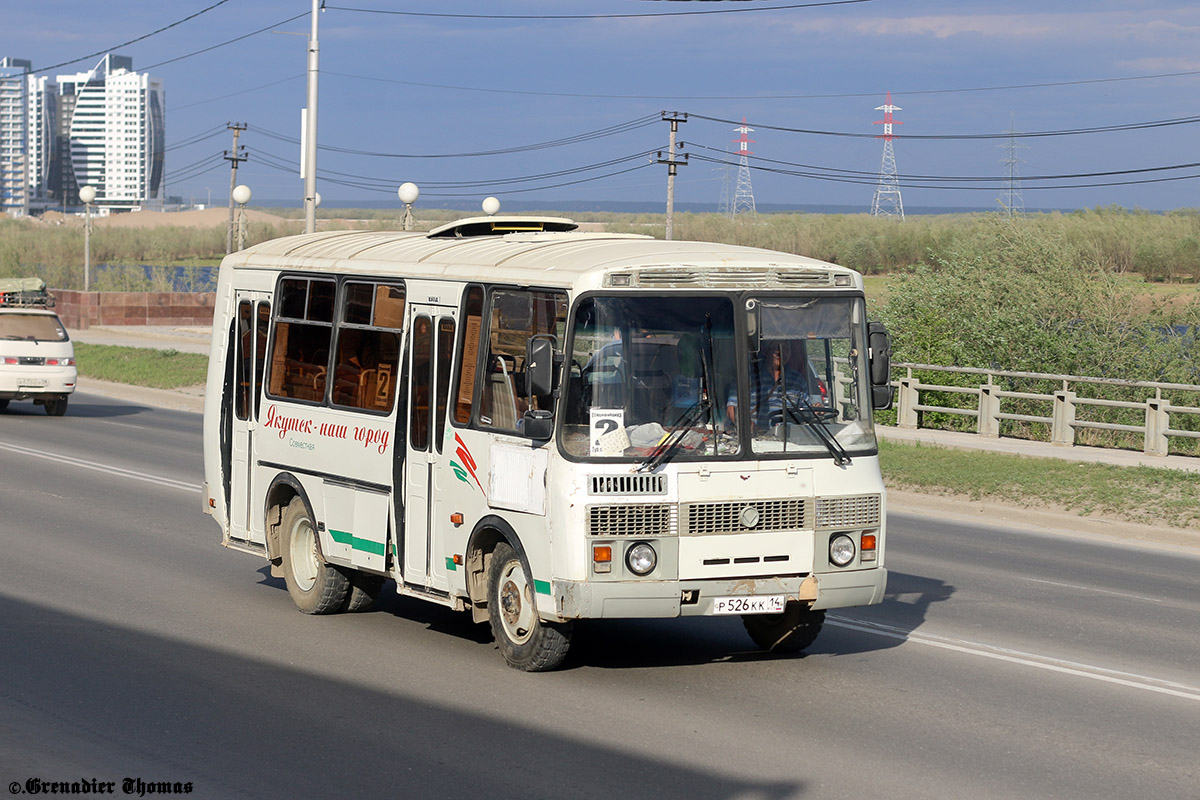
{"type": "Point", "coordinates": [693, 598]}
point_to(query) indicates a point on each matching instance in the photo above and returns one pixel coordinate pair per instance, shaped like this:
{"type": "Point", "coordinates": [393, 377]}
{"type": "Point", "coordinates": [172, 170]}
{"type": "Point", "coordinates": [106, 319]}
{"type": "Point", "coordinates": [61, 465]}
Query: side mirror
{"type": "Point", "coordinates": [879, 355]}
{"type": "Point", "coordinates": [539, 365]}
{"type": "Point", "coordinates": [537, 424]}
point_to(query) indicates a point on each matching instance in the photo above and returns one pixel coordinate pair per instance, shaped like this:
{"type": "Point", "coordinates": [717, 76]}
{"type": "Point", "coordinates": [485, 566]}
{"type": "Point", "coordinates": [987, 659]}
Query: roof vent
{"type": "Point", "coordinates": [498, 226]}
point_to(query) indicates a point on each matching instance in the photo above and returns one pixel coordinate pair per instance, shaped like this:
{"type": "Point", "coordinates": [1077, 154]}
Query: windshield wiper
{"type": "Point", "coordinates": [674, 437]}
{"type": "Point", "coordinates": [809, 416]}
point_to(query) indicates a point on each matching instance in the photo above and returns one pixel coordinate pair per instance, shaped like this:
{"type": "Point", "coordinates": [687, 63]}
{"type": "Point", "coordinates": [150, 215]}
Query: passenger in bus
{"type": "Point", "coordinates": [771, 376]}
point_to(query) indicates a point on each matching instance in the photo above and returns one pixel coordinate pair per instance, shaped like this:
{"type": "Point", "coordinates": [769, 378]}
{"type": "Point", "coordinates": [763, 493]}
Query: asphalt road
{"type": "Point", "coordinates": [1004, 663]}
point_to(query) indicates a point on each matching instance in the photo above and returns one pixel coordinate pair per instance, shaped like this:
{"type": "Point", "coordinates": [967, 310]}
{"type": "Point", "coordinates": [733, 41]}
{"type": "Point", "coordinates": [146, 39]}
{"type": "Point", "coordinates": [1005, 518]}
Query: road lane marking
{"type": "Point", "coordinates": [1094, 589]}
{"type": "Point", "coordinates": [107, 469]}
{"type": "Point", "coordinates": [1128, 679]}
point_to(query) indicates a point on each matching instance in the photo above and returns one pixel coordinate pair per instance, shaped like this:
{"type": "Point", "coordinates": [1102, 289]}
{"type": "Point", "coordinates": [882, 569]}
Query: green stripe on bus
{"type": "Point", "coordinates": [365, 545]}
{"type": "Point", "coordinates": [541, 587]}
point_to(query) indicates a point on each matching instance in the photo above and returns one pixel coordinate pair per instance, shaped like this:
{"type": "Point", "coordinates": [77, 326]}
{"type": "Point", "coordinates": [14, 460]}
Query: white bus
{"type": "Point", "coordinates": [537, 425]}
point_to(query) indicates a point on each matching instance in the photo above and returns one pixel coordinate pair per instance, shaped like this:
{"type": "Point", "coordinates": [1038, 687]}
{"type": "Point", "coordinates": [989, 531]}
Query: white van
{"type": "Point", "coordinates": [37, 359]}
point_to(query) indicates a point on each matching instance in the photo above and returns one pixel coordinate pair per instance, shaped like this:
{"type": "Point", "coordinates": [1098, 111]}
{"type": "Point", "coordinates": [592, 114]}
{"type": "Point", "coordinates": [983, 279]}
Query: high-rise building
{"type": "Point", "coordinates": [14, 133]}
{"type": "Point", "coordinates": [104, 128]}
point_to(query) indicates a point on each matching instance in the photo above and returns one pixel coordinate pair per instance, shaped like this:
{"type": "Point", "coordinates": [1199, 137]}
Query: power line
{"type": "Point", "coordinates": [578, 138]}
{"type": "Point", "coordinates": [598, 16]}
{"type": "Point", "coordinates": [222, 44]}
{"type": "Point", "coordinates": [865, 180]}
{"type": "Point", "coordinates": [366, 181]}
{"type": "Point", "coordinates": [132, 41]}
{"type": "Point", "coordinates": [1128, 126]}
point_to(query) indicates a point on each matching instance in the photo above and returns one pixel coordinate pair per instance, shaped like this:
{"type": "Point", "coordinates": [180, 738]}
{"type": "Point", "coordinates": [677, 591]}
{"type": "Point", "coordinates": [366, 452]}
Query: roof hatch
{"type": "Point", "coordinates": [498, 226]}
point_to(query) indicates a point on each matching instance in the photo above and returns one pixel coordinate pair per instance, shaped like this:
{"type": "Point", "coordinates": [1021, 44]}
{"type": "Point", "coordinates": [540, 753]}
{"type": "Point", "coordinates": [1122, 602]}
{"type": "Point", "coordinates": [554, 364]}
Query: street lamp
{"type": "Point", "coordinates": [87, 194]}
{"type": "Point", "coordinates": [241, 196]}
{"type": "Point", "coordinates": [490, 205]}
{"type": "Point", "coordinates": [408, 194]}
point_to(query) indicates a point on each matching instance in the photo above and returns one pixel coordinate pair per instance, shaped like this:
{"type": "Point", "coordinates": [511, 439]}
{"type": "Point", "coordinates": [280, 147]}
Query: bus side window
{"type": "Point", "coordinates": [368, 346]}
{"type": "Point", "coordinates": [245, 345]}
{"type": "Point", "coordinates": [514, 317]}
{"type": "Point", "coordinates": [300, 356]}
{"type": "Point", "coordinates": [471, 335]}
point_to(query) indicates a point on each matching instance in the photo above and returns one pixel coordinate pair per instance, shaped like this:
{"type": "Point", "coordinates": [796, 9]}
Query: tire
{"type": "Point", "coordinates": [788, 632]}
{"type": "Point", "coordinates": [525, 642]}
{"type": "Point", "coordinates": [364, 589]}
{"type": "Point", "coordinates": [57, 406]}
{"type": "Point", "coordinates": [315, 587]}
{"type": "Point", "coordinates": [3, 404]}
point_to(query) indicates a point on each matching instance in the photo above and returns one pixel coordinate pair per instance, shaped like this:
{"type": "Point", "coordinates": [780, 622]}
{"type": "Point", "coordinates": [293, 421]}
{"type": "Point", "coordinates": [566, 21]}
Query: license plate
{"type": "Point", "coordinates": [31, 383]}
{"type": "Point", "coordinates": [766, 604]}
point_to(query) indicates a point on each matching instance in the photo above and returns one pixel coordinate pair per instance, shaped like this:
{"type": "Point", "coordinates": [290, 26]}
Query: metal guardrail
{"type": "Point", "coordinates": [1064, 419]}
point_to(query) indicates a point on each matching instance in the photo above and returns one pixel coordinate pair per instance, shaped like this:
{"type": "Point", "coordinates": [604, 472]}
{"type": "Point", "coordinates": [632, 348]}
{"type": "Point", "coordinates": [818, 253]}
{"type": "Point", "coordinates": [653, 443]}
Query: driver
{"type": "Point", "coordinates": [770, 377]}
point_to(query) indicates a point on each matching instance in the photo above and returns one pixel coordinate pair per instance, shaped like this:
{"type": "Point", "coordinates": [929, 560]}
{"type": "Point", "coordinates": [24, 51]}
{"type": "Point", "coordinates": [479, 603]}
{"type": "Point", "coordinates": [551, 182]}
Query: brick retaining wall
{"type": "Point", "coordinates": [81, 310]}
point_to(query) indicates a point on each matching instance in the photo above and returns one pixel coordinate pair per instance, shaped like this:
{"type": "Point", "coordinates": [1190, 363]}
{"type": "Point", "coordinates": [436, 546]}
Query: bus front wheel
{"type": "Point", "coordinates": [788, 632]}
{"type": "Point", "coordinates": [526, 642]}
{"type": "Point", "coordinates": [315, 587]}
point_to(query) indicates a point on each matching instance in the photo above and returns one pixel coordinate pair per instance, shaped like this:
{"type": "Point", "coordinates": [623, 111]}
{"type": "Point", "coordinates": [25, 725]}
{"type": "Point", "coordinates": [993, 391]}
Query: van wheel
{"type": "Point", "coordinates": [364, 589]}
{"type": "Point", "coordinates": [57, 406]}
{"type": "Point", "coordinates": [525, 641]}
{"type": "Point", "coordinates": [788, 632]}
{"type": "Point", "coordinates": [315, 587]}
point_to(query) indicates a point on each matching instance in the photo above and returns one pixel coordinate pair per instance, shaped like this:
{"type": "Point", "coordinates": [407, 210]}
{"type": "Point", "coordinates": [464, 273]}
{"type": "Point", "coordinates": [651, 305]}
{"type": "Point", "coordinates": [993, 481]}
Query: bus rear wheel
{"type": "Point", "coordinates": [364, 589]}
{"type": "Point", "coordinates": [788, 632]}
{"type": "Point", "coordinates": [315, 587]}
{"type": "Point", "coordinates": [526, 642]}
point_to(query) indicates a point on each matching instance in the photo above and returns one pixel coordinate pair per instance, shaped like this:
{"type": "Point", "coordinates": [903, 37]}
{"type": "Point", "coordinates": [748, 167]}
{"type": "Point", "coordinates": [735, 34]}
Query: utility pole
{"type": "Point", "coordinates": [309, 155]}
{"type": "Point", "coordinates": [234, 158]}
{"type": "Point", "coordinates": [674, 118]}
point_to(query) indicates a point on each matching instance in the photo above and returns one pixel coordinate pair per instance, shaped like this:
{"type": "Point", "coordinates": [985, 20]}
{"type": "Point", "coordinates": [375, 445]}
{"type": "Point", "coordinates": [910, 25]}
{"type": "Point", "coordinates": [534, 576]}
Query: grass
{"type": "Point", "coordinates": [140, 366]}
{"type": "Point", "coordinates": [1142, 495]}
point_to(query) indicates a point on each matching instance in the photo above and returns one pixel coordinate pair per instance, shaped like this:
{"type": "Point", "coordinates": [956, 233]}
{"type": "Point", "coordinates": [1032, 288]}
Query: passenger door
{"type": "Point", "coordinates": [431, 344]}
{"type": "Point", "coordinates": [252, 323]}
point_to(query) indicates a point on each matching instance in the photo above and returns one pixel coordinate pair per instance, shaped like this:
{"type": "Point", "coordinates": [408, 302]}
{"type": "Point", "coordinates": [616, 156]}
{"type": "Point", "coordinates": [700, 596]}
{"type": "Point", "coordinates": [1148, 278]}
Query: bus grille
{"type": "Point", "coordinates": [632, 520]}
{"type": "Point", "coordinates": [848, 512]}
{"type": "Point", "coordinates": [736, 517]}
{"type": "Point", "coordinates": [627, 484]}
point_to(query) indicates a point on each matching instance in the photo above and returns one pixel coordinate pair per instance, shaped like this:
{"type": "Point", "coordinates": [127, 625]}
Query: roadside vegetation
{"type": "Point", "coordinates": [1141, 495]}
{"type": "Point", "coordinates": [140, 366]}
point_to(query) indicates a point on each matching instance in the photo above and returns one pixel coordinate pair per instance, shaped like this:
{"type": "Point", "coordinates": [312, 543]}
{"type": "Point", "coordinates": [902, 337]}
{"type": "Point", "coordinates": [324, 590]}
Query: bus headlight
{"type": "Point", "coordinates": [641, 559]}
{"type": "Point", "coordinates": [841, 550]}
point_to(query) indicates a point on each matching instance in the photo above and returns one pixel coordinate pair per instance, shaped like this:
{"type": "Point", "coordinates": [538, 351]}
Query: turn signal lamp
{"type": "Point", "coordinates": [602, 558]}
{"type": "Point", "coordinates": [456, 519]}
{"type": "Point", "coordinates": [867, 548]}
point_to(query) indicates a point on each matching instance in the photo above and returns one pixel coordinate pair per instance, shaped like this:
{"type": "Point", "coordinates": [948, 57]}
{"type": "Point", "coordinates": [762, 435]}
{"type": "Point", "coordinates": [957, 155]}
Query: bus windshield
{"type": "Point", "coordinates": [670, 377]}
{"type": "Point", "coordinates": [643, 368]}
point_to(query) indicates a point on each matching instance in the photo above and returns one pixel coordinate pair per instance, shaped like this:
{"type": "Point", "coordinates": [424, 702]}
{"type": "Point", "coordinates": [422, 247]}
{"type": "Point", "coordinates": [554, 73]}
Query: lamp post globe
{"type": "Point", "coordinates": [241, 194]}
{"type": "Point", "coordinates": [490, 205]}
{"type": "Point", "coordinates": [408, 193]}
{"type": "Point", "coordinates": [87, 194]}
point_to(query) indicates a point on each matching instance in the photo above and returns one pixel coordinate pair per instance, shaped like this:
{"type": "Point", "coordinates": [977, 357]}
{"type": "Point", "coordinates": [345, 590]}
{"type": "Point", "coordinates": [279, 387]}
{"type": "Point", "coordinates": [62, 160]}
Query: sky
{"type": "Point", "coordinates": [428, 98]}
